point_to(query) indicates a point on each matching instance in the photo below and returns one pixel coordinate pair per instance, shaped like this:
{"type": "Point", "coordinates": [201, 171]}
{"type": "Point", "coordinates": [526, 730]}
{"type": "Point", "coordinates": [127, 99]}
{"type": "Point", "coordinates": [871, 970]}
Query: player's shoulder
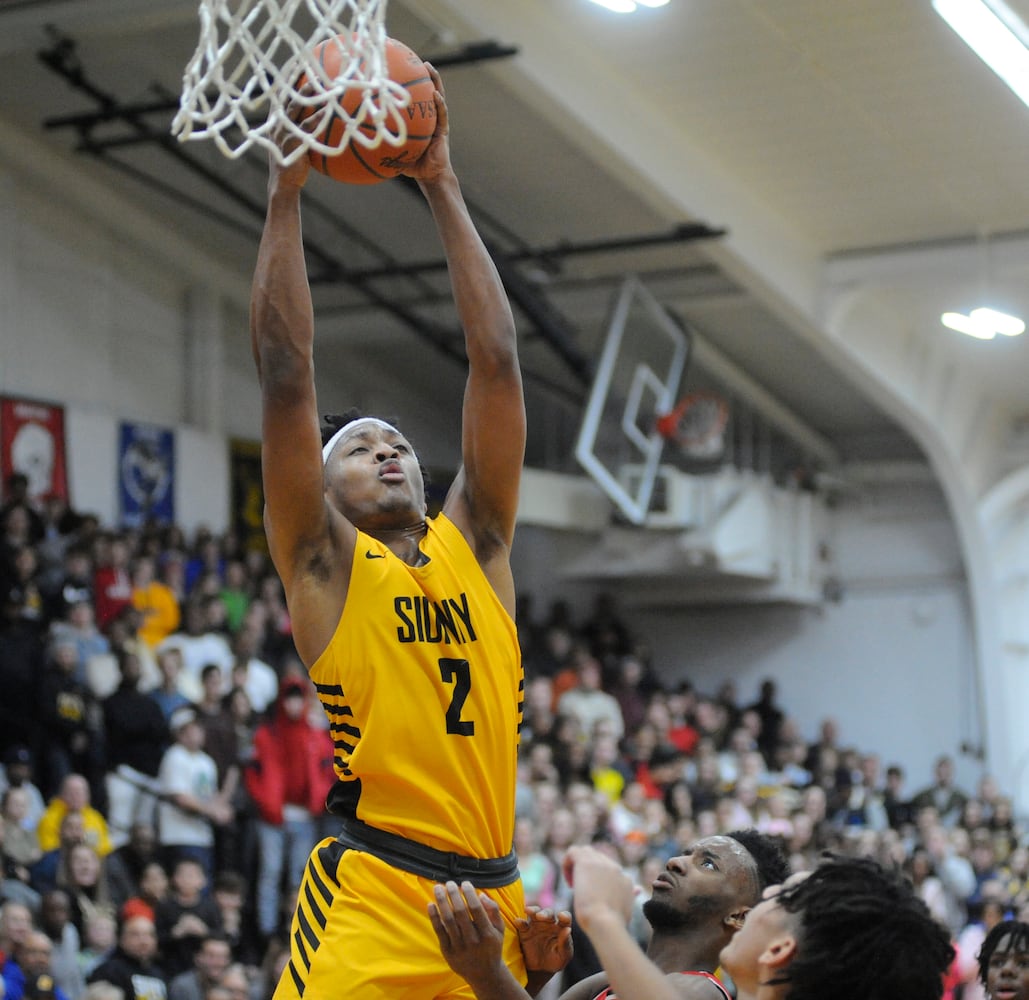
{"type": "Point", "coordinates": [698, 986]}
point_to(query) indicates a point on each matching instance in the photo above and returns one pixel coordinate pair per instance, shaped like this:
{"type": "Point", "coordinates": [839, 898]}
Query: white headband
{"type": "Point", "coordinates": [334, 440]}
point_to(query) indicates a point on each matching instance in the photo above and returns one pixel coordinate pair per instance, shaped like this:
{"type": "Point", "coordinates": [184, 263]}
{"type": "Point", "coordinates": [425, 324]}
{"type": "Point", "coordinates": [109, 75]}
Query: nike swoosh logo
{"type": "Point", "coordinates": [374, 555]}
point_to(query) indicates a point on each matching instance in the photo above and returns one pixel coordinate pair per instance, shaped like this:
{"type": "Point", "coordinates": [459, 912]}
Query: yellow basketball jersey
{"type": "Point", "coordinates": [422, 684]}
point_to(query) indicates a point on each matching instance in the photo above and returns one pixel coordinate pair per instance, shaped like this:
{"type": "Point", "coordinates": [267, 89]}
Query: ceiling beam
{"type": "Point", "coordinates": [24, 24]}
{"type": "Point", "coordinates": [687, 232]}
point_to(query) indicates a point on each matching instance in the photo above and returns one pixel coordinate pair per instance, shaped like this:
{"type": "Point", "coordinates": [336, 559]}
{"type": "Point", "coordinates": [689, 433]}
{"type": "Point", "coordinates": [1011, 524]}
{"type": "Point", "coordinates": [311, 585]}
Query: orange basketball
{"type": "Point", "coordinates": [358, 164]}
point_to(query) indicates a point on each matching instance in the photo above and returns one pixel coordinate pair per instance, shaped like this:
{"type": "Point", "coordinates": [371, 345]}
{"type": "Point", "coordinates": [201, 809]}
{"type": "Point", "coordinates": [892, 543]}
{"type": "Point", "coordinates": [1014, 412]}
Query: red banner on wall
{"type": "Point", "coordinates": [32, 442]}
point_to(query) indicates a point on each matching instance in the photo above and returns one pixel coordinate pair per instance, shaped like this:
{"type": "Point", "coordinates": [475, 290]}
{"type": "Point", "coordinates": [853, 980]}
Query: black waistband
{"type": "Point", "coordinates": [418, 859]}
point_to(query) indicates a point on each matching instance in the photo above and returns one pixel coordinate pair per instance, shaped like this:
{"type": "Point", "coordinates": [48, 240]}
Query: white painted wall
{"type": "Point", "coordinates": [892, 660]}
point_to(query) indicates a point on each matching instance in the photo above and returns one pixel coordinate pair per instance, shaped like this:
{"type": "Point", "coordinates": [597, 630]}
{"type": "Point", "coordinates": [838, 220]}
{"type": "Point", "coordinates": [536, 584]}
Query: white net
{"type": "Point", "coordinates": [702, 426]}
{"type": "Point", "coordinates": [254, 56]}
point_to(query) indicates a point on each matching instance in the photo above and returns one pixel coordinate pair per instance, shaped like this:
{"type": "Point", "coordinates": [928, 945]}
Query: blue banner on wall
{"type": "Point", "coordinates": [146, 473]}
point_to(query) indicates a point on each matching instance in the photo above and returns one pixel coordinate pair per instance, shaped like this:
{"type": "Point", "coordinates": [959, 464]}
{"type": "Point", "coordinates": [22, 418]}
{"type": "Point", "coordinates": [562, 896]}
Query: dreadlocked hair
{"type": "Point", "coordinates": [332, 422]}
{"type": "Point", "coordinates": [1019, 934]}
{"type": "Point", "coordinates": [864, 935]}
{"type": "Point", "coordinates": [773, 867]}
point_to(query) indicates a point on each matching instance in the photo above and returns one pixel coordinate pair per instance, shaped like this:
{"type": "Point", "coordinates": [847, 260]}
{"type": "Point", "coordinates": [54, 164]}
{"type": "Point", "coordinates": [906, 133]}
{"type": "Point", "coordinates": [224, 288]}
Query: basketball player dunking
{"type": "Point", "coordinates": [405, 623]}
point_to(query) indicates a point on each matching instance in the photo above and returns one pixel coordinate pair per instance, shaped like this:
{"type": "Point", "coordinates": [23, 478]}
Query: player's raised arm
{"type": "Point", "coordinates": [484, 498]}
{"type": "Point", "coordinates": [297, 517]}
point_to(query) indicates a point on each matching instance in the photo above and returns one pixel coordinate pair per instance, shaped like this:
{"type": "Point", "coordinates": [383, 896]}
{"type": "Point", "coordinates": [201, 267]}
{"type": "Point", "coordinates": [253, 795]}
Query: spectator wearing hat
{"type": "Point", "coordinates": [152, 888]}
{"type": "Point", "coordinates": [125, 864]}
{"type": "Point", "coordinates": [191, 801]}
{"type": "Point", "coordinates": [16, 772]}
{"type": "Point", "coordinates": [288, 778]}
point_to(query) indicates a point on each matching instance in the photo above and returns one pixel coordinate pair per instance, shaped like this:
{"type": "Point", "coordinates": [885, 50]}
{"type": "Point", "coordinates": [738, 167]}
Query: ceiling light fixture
{"type": "Point", "coordinates": [984, 323]}
{"type": "Point", "coordinates": [995, 34]}
{"type": "Point", "coordinates": [628, 6]}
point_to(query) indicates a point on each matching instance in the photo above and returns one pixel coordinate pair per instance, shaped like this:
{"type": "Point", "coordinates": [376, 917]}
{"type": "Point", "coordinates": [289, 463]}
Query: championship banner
{"type": "Point", "coordinates": [146, 475]}
{"type": "Point", "coordinates": [247, 500]}
{"type": "Point", "coordinates": [32, 443]}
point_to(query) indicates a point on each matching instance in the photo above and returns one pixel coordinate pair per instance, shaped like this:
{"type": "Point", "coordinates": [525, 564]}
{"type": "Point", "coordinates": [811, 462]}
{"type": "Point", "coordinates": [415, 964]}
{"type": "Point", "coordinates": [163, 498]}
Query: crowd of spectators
{"type": "Point", "coordinates": [164, 760]}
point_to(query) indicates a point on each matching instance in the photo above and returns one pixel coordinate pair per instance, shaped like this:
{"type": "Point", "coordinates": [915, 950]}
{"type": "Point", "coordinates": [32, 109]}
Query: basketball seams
{"type": "Point", "coordinates": [358, 154]}
{"type": "Point", "coordinates": [355, 163]}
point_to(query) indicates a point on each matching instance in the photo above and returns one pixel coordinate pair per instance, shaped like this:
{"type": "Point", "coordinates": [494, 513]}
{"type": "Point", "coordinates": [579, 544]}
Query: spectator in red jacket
{"type": "Point", "coordinates": [112, 584]}
{"type": "Point", "coordinates": [288, 778]}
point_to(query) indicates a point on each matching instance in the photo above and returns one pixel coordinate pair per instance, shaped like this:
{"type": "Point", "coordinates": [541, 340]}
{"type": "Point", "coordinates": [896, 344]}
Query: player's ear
{"type": "Point", "coordinates": [736, 918]}
{"type": "Point", "coordinates": [779, 952]}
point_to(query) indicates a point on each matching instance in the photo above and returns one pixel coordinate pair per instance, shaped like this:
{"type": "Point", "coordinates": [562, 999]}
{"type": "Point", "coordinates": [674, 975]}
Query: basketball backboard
{"type": "Point", "coordinates": [645, 353]}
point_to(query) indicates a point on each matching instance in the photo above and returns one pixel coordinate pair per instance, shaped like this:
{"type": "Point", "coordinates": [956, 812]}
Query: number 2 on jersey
{"type": "Point", "coordinates": [457, 672]}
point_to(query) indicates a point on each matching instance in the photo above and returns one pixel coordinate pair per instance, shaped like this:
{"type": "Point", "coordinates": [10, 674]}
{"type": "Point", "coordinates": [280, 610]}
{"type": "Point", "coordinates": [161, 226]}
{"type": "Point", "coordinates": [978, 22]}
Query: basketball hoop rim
{"type": "Point", "coordinates": [668, 424]}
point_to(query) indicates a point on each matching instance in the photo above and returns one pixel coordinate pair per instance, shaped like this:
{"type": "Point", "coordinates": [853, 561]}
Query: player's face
{"type": "Point", "coordinates": [1007, 975]}
{"type": "Point", "coordinates": [374, 478]}
{"type": "Point", "coordinates": [715, 874]}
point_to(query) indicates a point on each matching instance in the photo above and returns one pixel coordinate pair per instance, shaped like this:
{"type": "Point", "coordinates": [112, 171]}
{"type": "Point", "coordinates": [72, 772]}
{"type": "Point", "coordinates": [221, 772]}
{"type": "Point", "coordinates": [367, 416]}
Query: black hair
{"type": "Point", "coordinates": [773, 867]}
{"type": "Point", "coordinates": [862, 929]}
{"type": "Point", "coordinates": [332, 422]}
{"type": "Point", "coordinates": [1019, 932]}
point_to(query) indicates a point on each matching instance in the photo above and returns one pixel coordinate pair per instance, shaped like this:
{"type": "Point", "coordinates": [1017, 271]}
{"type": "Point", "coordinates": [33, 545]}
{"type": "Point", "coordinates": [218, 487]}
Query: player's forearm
{"type": "Point", "coordinates": [497, 984]}
{"type": "Point", "coordinates": [631, 974]}
{"type": "Point", "coordinates": [479, 295]}
{"type": "Point", "coordinates": [537, 980]}
{"type": "Point", "coordinates": [281, 312]}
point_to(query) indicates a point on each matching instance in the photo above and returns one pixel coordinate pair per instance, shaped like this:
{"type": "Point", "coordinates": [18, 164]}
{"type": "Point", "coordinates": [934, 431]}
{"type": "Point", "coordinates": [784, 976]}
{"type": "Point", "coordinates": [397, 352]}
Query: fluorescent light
{"type": "Point", "coordinates": [628, 6]}
{"type": "Point", "coordinates": [992, 40]}
{"type": "Point", "coordinates": [1005, 325]}
{"type": "Point", "coordinates": [984, 323]}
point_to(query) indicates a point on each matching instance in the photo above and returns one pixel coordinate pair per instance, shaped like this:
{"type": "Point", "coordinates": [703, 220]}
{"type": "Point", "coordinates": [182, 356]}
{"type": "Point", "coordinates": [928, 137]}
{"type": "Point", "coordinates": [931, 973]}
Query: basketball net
{"type": "Point", "coordinates": [697, 425]}
{"type": "Point", "coordinates": [250, 58]}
